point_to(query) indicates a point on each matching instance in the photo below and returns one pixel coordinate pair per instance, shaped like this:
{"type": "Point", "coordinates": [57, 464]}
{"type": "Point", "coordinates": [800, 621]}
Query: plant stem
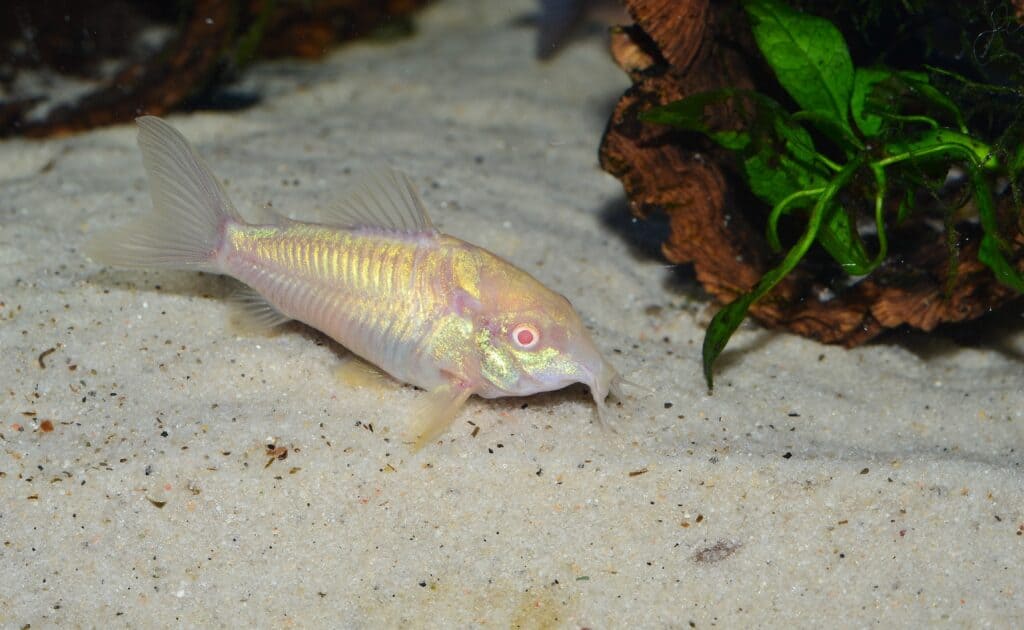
{"type": "Point", "coordinates": [827, 162]}
{"type": "Point", "coordinates": [883, 239]}
{"type": "Point", "coordinates": [780, 209]}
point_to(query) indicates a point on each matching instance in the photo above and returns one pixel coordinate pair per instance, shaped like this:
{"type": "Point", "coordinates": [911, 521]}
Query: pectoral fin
{"type": "Point", "coordinates": [436, 412]}
{"type": "Point", "coordinates": [356, 372]}
{"type": "Point", "coordinates": [252, 314]}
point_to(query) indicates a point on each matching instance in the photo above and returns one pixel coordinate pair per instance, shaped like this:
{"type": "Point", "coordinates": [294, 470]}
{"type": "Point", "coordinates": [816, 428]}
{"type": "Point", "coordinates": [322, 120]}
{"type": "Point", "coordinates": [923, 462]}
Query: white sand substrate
{"type": "Point", "coordinates": [195, 477]}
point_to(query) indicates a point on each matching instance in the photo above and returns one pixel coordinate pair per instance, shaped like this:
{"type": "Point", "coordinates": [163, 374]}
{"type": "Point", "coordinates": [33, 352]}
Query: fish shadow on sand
{"type": "Point", "coordinates": [195, 285]}
{"type": "Point", "coordinates": [216, 290]}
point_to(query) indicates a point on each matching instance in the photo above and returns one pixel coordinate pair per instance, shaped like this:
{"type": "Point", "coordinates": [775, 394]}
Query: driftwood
{"type": "Point", "coordinates": [211, 38]}
{"type": "Point", "coordinates": [677, 48]}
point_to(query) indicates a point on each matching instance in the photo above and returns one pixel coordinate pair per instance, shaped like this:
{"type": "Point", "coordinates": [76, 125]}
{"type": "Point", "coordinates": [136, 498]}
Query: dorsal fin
{"type": "Point", "coordinates": [381, 198]}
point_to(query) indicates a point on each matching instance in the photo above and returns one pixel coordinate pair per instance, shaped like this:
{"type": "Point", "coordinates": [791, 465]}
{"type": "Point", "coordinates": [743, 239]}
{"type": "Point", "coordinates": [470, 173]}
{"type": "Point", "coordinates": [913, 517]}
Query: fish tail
{"type": "Point", "coordinates": [190, 209]}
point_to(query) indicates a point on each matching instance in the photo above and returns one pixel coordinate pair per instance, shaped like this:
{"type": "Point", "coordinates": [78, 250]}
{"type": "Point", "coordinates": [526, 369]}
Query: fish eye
{"type": "Point", "coordinates": [525, 336]}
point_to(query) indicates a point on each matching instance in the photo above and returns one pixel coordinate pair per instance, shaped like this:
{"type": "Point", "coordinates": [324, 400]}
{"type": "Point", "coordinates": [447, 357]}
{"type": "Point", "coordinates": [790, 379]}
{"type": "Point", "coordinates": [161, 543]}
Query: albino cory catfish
{"type": "Point", "coordinates": [427, 308]}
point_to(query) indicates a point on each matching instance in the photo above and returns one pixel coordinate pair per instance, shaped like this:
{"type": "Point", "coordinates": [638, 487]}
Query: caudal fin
{"type": "Point", "coordinates": [190, 209]}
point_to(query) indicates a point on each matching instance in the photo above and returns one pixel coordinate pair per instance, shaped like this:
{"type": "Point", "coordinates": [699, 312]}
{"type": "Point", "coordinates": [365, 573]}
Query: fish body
{"type": "Point", "coordinates": [411, 303]}
{"type": "Point", "coordinates": [427, 308]}
{"type": "Point", "coordinates": [559, 20]}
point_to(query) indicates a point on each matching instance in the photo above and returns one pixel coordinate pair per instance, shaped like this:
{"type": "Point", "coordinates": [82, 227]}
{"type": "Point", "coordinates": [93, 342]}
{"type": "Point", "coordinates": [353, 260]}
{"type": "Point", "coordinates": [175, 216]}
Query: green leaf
{"type": "Point", "coordinates": [778, 155]}
{"type": "Point", "coordinates": [841, 134]}
{"type": "Point", "coordinates": [720, 330]}
{"type": "Point", "coordinates": [688, 114]}
{"type": "Point", "coordinates": [990, 254]}
{"type": "Point", "coordinates": [728, 318]}
{"type": "Point", "coordinates": [773, 177]}
{"type": "Point", "coordinates": [879, 94]}
{"type": "Point", "coordinates": [1017, 163]}
{"type": "Point", "coordinates": [838, 235]}
{"type": "Point", "coordinates": [781, 159]}
{"type": "Point", "coordinates": [907, 205]}
{"type": "Point", "coordinates": [864, 82]}
{"type": "Point", "coordinates": [941, 143]}
{"type": "Point", "coordinates": [777, 174]}
{"type": "Point", "coordinates": [841, 240]}
{"type": "Point", "coordinates": [974, 155]}
{"type": "Point", "coordinates": [918, 82]}
{"type": "Point", "coordinates": [808, 54]}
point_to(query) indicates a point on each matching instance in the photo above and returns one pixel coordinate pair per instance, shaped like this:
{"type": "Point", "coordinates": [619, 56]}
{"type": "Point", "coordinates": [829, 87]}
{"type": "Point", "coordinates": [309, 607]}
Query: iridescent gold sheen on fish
{"type": "Point", "coordinates": [427, 308]}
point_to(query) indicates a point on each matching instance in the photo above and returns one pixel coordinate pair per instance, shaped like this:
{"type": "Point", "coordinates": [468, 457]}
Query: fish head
{"type": "Point", "coordinates": [532, 340]}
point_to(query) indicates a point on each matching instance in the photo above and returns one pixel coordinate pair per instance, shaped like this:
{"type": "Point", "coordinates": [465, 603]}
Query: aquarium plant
{"type": "Point", "coordinates": [847, 153]}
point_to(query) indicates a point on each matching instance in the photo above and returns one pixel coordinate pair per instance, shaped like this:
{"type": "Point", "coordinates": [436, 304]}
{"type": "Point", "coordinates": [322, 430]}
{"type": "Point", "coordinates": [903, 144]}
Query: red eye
{"type": "Point", "coordinates": [525, 336]}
